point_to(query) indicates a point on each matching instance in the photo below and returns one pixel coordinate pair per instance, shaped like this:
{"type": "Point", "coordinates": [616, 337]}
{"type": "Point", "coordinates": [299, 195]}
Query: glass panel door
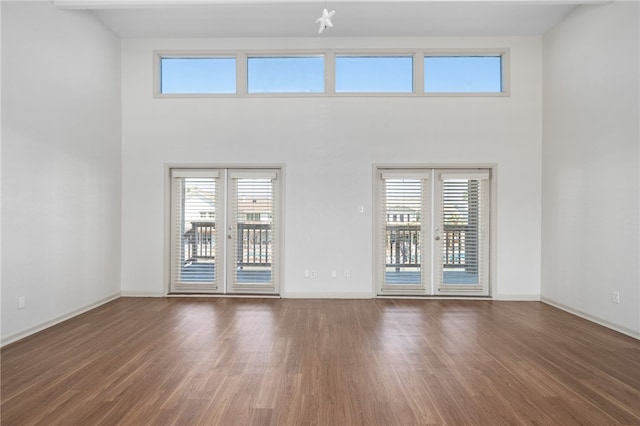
{"type": "Point", "coordinates": [405, 223]}
{"type": "Point", "coordinates": [461, 232]}
{"type": "Point", "coordinates": [224, 231]}
{"type": "Point", "coordinates": [252, 232]}
{"type": "Point", "coordinates": [195, 231]}
{"type": "Point", "coordinates": [432, 232]}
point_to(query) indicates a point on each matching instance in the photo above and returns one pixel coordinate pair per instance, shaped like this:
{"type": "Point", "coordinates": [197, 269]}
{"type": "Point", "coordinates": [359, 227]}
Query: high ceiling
{"type": "Point", "coordinates": [359, 18]}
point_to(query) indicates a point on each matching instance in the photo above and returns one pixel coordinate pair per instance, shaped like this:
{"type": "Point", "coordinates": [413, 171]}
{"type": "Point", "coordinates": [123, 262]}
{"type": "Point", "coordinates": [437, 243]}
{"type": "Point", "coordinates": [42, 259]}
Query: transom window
{"type": "Point", "coordinates": [374, 74]}
{"type": "Point", "coordinates": [301, 74]}
{"type": "Point", "coordinates": [197, 75]}
{"type": "Point", "coordinates": [334, 73]}
{"type": "Point", "coordinates": [463, 74]}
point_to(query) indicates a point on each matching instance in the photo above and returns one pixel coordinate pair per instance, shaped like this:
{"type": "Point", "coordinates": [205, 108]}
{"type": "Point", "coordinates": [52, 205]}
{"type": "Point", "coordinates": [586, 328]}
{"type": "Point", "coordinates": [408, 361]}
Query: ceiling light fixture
{"type": "Point", "coordinates": [325, 20]}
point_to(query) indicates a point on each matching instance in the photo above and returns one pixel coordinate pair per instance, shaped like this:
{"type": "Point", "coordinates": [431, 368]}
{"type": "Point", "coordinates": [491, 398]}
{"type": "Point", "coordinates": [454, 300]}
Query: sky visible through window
{"type": "Point", "coordinates": [353, 74]}
{"type": "Point", "coordinates": [285, 74]}
{"type": "Point", "coordinates": [374, 74]}
{"type": "Point", "coordinates": [462, 74]}
{"type": "Point", "coordinates": [198, 75]}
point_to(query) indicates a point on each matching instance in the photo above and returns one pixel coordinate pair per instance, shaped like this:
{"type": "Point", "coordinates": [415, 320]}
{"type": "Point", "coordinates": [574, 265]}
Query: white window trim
{"type": "Point", "coordinates": [329, 71]}
{"type": "Point", "coordinates": [505, 70]}
{"type": "Point", "coordinates": [157, 72]}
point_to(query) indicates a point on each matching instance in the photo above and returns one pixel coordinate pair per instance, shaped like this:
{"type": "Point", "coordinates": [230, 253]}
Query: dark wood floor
{"type": "Point", "coordinates": [327, 362]}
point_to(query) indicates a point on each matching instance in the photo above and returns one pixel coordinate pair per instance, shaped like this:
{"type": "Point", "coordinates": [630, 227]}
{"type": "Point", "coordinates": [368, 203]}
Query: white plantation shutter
{"type": "Point", "coordinates": [462, 232]}
{"type": "Point", "coordinates": [253, 229]}
{"type": "Point", "coordinates": [195, 233]}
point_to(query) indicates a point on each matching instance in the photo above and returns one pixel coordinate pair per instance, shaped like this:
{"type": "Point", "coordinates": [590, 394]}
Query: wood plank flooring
{"type": "Point", "coordinates": [225, 361]}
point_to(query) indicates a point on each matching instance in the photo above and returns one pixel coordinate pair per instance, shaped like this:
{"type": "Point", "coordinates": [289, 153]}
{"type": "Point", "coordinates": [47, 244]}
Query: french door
{"type": "Point", "coordinates": [225, 231]}
{"type": "Point", "coordinates": [432, 232]}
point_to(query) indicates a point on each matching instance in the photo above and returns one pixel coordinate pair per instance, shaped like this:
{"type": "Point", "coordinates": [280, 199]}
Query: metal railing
{"type": "Point", "coordinates": [253, 245]}
{"type": "Point", "coordinates": [403, 246]}
{"type": "Point", "coordinates": [199, 242]}
{"type": "Point", "coordinates": [459, 245]}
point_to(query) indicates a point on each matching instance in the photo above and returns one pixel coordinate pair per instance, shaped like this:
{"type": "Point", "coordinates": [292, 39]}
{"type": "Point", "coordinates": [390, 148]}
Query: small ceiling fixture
{"type": "Point", "coordinates": [325, 20]}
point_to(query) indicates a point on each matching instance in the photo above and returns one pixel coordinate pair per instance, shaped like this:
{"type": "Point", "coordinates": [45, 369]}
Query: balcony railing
{"type": "Point", "coordinates": [403, 246]}
{"type": "Point", "coordinates": [253, 248]}
{"type": "Point", "coordinates": [199, 242]}
{"type": "Point", "coordinates": [460, 247]}
{"type": "Point", "coordinates": [254, 245]}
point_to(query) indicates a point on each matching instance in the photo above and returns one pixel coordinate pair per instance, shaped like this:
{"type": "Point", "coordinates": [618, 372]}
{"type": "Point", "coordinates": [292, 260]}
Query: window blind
{"type": "Point", "coordinates": [253, 229]}
{"type": "Point", "coordinates": [402, 221]}
{"type": "Point", "coordinates": [195, 240]}
{"type": "Point", "coordinates": [463, 231]}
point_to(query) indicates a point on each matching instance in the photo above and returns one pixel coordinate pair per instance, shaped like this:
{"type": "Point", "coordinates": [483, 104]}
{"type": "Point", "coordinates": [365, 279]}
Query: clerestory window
{"type": "Point", "coordinates": [333, 73]}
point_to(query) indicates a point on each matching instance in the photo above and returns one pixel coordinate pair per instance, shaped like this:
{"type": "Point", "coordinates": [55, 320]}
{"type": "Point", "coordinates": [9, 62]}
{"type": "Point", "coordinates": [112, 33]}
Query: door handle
{"type": "Point", "coordinates": [437, 238]}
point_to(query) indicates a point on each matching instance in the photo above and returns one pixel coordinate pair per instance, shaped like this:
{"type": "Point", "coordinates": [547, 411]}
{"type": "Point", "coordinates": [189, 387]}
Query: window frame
{"type": "Point", "coordinates": [505, 66]}
{"type": "Point", "coordinates": [241, 58]}
{"type": "Point", "coordinates": [378, 54]}
{"type": "Point", "coordinates": [289, 55]}
{"type": "Point", "coordinates": [157, 72]}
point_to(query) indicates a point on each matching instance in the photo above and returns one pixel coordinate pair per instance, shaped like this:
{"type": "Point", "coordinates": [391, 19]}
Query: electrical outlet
{"type": "Point", "coordinates": [21, 302]}
{"type": "Point", "coordinates": [346, 273]}
{"type": "Point", "coordinates": [312, 274]}
{"type": "Point", "coordinates": [615, 297]}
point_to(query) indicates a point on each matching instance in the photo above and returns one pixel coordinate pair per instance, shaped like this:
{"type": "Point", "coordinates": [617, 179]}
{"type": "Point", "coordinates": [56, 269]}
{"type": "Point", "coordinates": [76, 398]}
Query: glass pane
{"type": "Point", "coordinates": [370, 74]}
{"type": "Point", "coordinates": [461, 231]}
{"type": "Point", "coordinates": [254, 226]}
{"type": "Point", "coordinates": [463, 74]}
{"type": "Point", "coordinates": [198, 75]}
{"type": "Point", "coordinates": [285, 74]}
{"type": "Point", "coordinates": [197, 230]}
{"type": "Point", "coordinates": [403, 233]}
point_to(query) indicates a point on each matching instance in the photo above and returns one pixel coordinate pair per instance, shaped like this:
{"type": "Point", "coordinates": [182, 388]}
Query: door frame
{"type": "Point", "coordinates": [166, 230]}
{"type": "Point", "coordinates": [378, 168]}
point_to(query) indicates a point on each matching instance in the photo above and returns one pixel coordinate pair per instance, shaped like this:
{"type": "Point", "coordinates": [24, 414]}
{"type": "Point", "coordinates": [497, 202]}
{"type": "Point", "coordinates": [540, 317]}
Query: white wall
{"type": "Point", "coordinates": [591, 164]}
{"type": "Point", "coordinates": [328, 146]}
{"type": "Point", "coordinates": [60, 164]}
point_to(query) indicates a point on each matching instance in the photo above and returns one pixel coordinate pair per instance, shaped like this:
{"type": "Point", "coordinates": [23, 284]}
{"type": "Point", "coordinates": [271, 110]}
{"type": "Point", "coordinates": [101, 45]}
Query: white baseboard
{"type": "Point", "coordinates": [592, 318]}
{"type": "Point", "coordinates": [518, 297]}
{"type": "Point", "coordinates": [142, 294]}
{"type": "Point", "coordinates": [346, 295]}
{"type": "Point", "coordinates": [294, 295]}
{"type": "Point", "coordinates": [367, 295]}
{"type": "Point", "coordinates": [28, 332]}
{"type": "Point", "coordinates": [430, 297]}
{"type": "Point", "coordinates": [228, 295]}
